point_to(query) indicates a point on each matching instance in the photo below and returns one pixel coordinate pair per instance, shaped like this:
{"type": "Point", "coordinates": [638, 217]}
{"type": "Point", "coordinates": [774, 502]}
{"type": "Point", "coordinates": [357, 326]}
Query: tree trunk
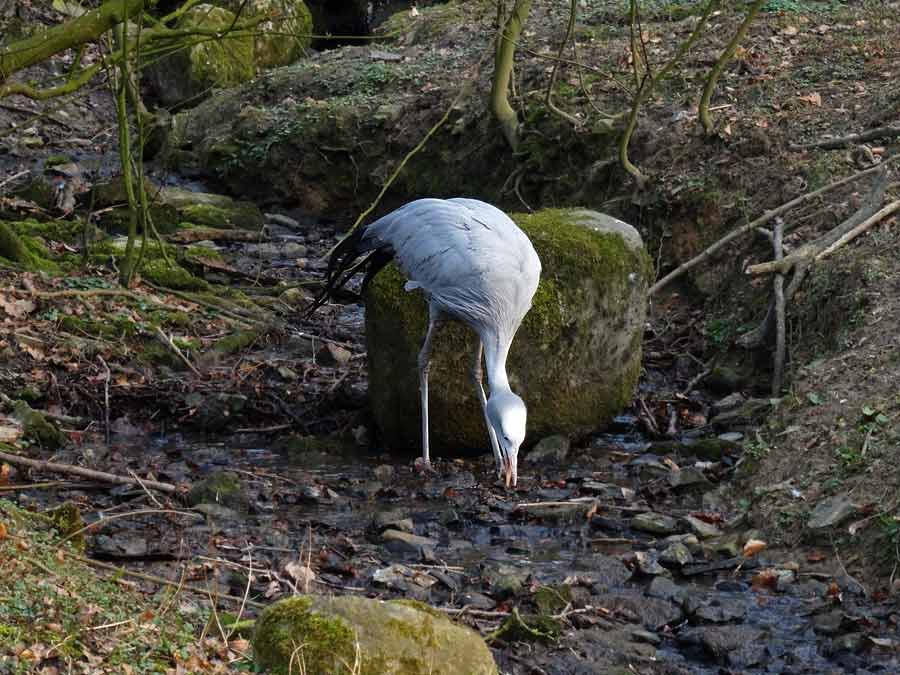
{"type": "Point", "coordinates": [503, 64]}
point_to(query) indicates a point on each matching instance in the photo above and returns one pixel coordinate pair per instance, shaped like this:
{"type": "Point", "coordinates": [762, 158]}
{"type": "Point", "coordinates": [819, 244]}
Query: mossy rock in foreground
{"type": "Point", "coordinates": [318, 635]}
{"type": "Point", "coordinates": [575, 360]}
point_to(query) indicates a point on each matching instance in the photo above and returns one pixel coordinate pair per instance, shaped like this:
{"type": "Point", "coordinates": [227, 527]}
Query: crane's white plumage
{"type": "Point", "coordinates": [476, 266]}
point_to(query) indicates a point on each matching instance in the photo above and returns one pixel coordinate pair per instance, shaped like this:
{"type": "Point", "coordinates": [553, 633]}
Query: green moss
{"type": "Point", "coordinates": [168, 318]}
{"type": "Point", "coordinates": [109, 326]}
{"type": "Point", "coordinates": [237, 341]}
{"type": "Point", "coordinates": [39, 428]}
{"type": "Point", "coordinates": [552, 599]}
{"type": "Point", "coordinates": [68, 522]}
{"type": "Point", "coordinates": [27, 251]}
{"type": "Point", "coordinates": [365, 637]}
{"type": "Point", "coordinates": [290, 627]}
{"type": "Point", "coordinates": [171, 276]}
{"type": "Point", "coordinates": [154, 354]}
{"type": "Point", "coordinates": [527, 628]}
{"type": "Point", "coordinates": [284, 39]}
{"type": "Point", "coordinates": [220, 487]}
{"type": "Point", "coordinates": [56, 230]}
{"type": "Point", "coordinates": [56, 160]}
{"type": "Point", "coordinates": [219, 63]}
{"type": "Point", "coordinates": [49, 597]}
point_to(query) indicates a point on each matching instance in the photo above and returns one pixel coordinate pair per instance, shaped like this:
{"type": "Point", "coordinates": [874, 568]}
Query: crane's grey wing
{"type": "Point", "coordinates": [467, 255]}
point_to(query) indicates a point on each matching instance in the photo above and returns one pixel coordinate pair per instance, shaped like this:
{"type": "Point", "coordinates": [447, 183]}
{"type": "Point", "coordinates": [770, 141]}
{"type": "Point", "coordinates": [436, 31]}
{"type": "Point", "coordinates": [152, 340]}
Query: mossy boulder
{"type": "Point", "coordinates": [284, 37]}
{"type": "Point", "coordinates": [220, 487]}
{"type": "Point", "coordinates": [575, 360]}
{"type": "Point", "coordinates": [327, 635]}
{"type": "Point", "coordinates": [186, 76]}
{"type": "Point", "coordinates": [173, 207]}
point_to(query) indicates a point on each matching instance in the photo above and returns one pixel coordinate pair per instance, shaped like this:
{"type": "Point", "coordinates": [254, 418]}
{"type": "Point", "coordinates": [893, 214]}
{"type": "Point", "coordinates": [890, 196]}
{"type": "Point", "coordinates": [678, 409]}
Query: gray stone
{"type": "Point", "coordinates": [591, 301]}
{"type": "Point", "coordinates": [831, 512]}
{"type": "Point", "coordinates": [552, 449]}
{"type": "Point", "coordinates": [676, 554]}
{"type": "Point", "coordinates": [666, 589]}
{"type": "Point", "coordinates": [475, 600]}
{"type": "Point", "coordinates": [701, 528]}
{"type": "Point", "coordinates": [655, 523]}
{"type": "Point", "coordinates": [652, 613]}
{"type": "Point", "coordinates": [736, 646]}
{"type": "Point", "coordinates": [407, 538]}
{"type": "Point", "coordinates": [730, 402]}
{"type": "Point", "coordinates": [648, 563]}
{"type": "Point", "coordinates": [604, 571]}
{"type": "Point", "coordinates": [688, 476]}
{"type": "Point", "coordinates": [608, 490]}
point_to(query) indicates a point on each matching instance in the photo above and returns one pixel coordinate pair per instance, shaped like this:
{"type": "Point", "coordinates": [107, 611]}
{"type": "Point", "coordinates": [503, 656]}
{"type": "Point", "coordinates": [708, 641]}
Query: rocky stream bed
{"type": "Point", "coordinates": [629, 551]}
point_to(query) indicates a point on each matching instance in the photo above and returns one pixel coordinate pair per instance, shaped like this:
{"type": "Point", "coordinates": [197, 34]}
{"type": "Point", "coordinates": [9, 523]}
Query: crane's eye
{"type": "Point", "coordinates": [507, 438]}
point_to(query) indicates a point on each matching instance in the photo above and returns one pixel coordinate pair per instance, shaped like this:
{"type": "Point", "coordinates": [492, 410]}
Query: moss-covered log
{"type": "Point", "coordinates": [575, 360]}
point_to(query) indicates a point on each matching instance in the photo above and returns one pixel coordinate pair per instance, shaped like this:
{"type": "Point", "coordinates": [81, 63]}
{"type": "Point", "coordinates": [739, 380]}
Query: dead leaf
{"type": "Point", "coordinates": [752, 547]}
{"type": "Point", "coordinates": [301, 573]}
{"type": "Point", "coordinates": [2, 531]}
{"type": "Point", "coordinates": [16, 308]}
{"type": "Point", "coordinates": [814, 98]}
{"type": "Point", "coordinates": [767, 578]}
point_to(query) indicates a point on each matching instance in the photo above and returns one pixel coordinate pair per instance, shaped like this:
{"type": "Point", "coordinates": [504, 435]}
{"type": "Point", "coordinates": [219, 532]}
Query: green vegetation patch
{"type": "Point", "coordinates": [59, 615]}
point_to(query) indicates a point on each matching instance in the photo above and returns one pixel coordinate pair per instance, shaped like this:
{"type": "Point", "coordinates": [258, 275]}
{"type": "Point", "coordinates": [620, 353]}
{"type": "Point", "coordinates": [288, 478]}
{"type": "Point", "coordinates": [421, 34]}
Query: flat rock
{"type": "Point", "coordinates": [701, 528]}
{"type": "Point", "coordinates": [552, 449]}
{"type": "Point", "coordinates": [652, 613]}
{"type": "Point", "coordinates": [735, 646]}
{"type": "Point", "coordinates": [676, 554]}
{"type": "Point", "coordinates": [408, 538]}
{"type": "Point", "coordinates": [830, 512]}
{"type": "Point", "coordinates": [666, 589]}
{"type": "Point", "coordinates": [655, 523]}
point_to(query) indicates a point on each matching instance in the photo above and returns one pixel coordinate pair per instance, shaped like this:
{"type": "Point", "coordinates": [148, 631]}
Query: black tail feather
{"type": "Point", "coordinates": [345, 261]}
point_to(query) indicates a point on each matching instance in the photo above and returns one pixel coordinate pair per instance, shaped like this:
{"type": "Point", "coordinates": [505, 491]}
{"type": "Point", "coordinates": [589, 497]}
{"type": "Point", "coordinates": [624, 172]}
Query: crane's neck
{"type": "Point", "coordinates": [495, 352]}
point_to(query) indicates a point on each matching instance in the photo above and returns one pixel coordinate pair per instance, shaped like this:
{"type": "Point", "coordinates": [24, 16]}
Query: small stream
{"type": "Point", "coordinates": [472, 545]}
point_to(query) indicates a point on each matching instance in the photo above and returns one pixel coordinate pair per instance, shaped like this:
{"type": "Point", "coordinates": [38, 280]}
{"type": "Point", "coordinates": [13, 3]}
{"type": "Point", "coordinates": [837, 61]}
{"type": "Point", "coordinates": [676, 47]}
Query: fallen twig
{"type": "Point", "coordinates": [106, 377]}
{"type": "Point", "coordinates": [167, 341]}
{"type": "Point", "coordinates": [164, 582]}
{"type": "Point", "coordinates": [56, 467]}
{"type": "Point", "coordinates": [843, 141]}
{"type": "Point", "coordinates": [867, 215]}
{"type": "Point", "coordinates": [762, 220]}
{"type": "Point", "coordinates": [778, 285]}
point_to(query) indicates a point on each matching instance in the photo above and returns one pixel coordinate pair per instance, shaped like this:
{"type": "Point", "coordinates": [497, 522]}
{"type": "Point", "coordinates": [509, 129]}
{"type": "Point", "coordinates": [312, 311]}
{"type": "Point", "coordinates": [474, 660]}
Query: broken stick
{"type": "Point", "coordinates": [55, 467]}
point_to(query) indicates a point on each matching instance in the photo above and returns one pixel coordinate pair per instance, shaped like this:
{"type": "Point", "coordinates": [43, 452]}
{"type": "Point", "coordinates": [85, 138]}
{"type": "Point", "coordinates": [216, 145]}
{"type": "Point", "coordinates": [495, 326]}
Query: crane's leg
{"type": "Point", "coordinates": [435, 321]}
{"type": "Point", "coordinates": [479, 388]}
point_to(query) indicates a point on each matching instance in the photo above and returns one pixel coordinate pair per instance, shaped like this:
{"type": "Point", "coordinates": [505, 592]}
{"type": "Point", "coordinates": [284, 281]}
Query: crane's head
{"type": "Point", "coordinates": [506, 414]}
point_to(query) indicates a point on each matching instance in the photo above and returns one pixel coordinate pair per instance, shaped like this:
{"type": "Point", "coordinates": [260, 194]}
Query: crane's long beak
{"type": "Point", "coordinates": [508, 474]}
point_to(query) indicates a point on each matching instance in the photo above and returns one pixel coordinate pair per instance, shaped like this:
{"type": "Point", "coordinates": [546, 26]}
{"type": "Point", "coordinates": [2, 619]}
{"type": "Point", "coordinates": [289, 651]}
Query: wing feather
{"type": "Point", "coordinates": [468, 256]}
